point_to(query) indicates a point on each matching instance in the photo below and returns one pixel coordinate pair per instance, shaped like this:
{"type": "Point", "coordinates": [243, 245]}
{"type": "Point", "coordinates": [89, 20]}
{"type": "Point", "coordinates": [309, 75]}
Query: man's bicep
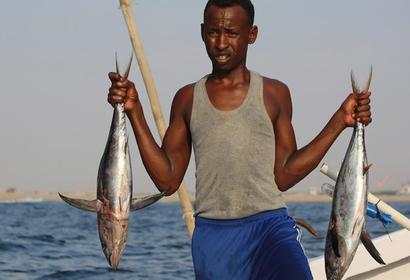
{"type": "Point", "coordinates": [285, 142]}
{"type": "Point", "coordinates": [177, 140]}
{"type": "Point", "coordinates": [285, 146]}
{"type": "Point", "coordinates": [285, 138]}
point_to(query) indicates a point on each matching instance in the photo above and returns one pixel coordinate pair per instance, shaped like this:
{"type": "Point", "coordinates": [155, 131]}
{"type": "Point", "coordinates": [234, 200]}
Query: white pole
{"type": "Point", "coordinates": [384, 207]}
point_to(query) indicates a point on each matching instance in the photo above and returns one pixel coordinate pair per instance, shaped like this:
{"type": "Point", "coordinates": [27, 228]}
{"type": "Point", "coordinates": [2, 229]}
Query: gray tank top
{"type": "Point", "coordinates": [234, 155]}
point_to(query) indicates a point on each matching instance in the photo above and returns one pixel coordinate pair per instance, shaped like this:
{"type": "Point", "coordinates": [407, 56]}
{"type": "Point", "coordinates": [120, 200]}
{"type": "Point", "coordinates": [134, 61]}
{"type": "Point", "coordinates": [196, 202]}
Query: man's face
{"type": "Point", "coordinates": [226, 33]}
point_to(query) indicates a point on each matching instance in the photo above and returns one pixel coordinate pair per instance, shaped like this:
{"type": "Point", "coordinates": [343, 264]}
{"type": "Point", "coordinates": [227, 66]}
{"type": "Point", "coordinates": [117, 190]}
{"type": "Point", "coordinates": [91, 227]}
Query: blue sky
{"type": "Point", "coordinates": [55, 56]}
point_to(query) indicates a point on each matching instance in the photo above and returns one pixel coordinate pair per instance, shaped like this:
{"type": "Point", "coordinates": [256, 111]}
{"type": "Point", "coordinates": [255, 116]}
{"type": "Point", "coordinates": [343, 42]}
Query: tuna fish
{"type": "Point", "coordinates": [114, 189]}
{"type": "Point", "coordinates": [346, 226]}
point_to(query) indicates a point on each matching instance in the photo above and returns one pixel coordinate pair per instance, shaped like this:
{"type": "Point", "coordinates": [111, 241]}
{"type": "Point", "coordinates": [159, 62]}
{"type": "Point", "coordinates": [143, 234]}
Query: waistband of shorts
{"type": "Point", "coordinates": [250, 219]}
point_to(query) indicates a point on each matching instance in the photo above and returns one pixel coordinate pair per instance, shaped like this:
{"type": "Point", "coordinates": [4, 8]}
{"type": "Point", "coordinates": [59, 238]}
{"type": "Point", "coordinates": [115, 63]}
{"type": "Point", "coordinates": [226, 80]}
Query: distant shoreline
{"type": "Point", "coordinates": [51, 196]}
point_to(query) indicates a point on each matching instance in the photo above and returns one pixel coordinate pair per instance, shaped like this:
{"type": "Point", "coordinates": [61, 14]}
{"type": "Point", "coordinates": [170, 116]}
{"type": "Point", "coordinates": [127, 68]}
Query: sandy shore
{"type": "Point", "coordinates": [51, 196]}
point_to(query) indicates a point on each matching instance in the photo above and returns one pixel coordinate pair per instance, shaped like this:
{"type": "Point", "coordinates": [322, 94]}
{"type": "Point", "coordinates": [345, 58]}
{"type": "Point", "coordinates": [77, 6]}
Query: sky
{"type": "Point", "coordinates": [55, 56]}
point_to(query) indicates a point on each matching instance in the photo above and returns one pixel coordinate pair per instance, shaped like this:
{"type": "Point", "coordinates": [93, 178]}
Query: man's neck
{"type": "Point", "coordinates": [238, 75]}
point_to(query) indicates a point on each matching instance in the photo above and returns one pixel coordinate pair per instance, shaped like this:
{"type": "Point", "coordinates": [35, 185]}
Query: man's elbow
{"type": "Point", "coordinates": [283, 185]}
{"type": "Point", "coordinates": [284, 188]}
{"type": "Point", "coordinates": [169, 187]}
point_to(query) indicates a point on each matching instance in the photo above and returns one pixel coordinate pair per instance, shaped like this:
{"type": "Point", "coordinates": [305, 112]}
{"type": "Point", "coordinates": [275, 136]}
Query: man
{"type": "Point", "coordinates": [239, 124]}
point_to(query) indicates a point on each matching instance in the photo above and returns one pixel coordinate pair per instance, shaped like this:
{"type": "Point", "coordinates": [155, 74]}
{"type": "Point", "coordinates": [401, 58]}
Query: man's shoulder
{"type": "Point", "coordinates": [272, 86]}
{"type": "Point", "coordinates": [185, 93]}
{"type": "Point", "coordinates": [276, 91]}
{"type": "Point", "coordinates": [183, 100]}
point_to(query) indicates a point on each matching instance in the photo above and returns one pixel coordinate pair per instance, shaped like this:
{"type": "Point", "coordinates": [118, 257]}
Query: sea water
{"type": "Point", "coordinates": [51, 240]}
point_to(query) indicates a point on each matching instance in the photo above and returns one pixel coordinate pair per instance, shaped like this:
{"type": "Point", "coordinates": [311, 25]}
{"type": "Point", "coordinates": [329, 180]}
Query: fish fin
{"type": "Point", "coordinates": [368, 244]}
{"type": "Point", "coordinates": [127, 70]}
{"type": "Point", "coordinates": [369, 79]}
{"type": "Point", "coordinates": [366, 168]}
{"type": "Point", "coordinates": [307, 226]}
{"type": "Point", "coordinates": [355, 86]}
{"type": "Point", "coordinates": [117, 68]}
{"type": "Point", "coordinates": [338, 243]}
{"type": "Point", "coordinates": [87, 205]}
{"type": "Point", "coordinates": [141, 202]}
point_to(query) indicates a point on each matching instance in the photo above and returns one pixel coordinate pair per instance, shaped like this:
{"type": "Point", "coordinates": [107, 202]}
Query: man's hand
{"type": "Point", "coordinates": [356, 108]}
{"type": "Point", "coordinates": [122, 91]}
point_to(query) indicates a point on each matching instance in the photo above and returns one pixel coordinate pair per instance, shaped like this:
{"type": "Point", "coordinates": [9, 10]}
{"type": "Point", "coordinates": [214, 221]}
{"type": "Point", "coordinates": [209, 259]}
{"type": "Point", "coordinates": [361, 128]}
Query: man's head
{"type": "Point", "coordinates": [227, 31]}
{"type": "Point", "coordinates": [245, 4]}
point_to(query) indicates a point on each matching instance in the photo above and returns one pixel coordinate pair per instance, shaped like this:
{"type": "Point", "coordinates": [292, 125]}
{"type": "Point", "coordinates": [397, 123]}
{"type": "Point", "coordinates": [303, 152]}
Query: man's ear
{"type": "Point", "coordinates": [253, 34]}
{"type": "Point", "coordinates": [202, 32]}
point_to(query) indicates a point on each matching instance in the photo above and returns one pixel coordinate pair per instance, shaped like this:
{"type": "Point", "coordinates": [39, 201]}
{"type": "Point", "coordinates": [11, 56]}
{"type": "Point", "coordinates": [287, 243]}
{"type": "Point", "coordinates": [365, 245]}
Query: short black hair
{"type": "Point", "coordinates": [245, 4]}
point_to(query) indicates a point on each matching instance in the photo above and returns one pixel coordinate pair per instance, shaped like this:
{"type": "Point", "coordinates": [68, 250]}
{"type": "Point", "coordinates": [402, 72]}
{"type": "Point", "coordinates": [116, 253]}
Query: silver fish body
{"type": "Point", "coordinates": [114, 189]}
{"type": "Point", "coordinates": [348, 208]}
{"type": "Point", "coordinates": [347, 220]}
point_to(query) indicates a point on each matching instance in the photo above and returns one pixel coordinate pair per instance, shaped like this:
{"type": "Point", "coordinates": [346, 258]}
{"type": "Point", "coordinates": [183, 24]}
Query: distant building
{"type": "Point", "coordinates": [11, 190]}
{"type": "Point", "coordinates": [314, 191]}
{"type": "Point", "coordinates": [405, 189]}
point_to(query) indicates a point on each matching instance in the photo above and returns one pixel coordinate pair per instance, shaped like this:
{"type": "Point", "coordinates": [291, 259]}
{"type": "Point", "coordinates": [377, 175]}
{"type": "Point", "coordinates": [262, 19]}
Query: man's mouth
{"type": "Point", "coordinates": [222, 58]}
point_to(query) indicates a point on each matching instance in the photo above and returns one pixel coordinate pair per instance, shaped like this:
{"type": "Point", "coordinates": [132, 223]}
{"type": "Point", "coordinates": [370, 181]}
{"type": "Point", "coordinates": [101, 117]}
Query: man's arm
{"type": "Point", "coordinates": [166, 164]}
{"type": "Point", "coordinates": [293, 164]}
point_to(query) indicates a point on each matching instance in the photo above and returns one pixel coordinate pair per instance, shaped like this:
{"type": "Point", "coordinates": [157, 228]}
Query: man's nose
{"type": "Point", "coordinates": [222, 41]}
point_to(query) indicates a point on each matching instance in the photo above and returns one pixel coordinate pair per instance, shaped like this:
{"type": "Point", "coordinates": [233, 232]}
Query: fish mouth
{"type": "Point", "coordinates": [113, 236]}
{"type": "Point", "coordinates": [114, 258]}
{"type": "Point", "coordinates": [114, 255]}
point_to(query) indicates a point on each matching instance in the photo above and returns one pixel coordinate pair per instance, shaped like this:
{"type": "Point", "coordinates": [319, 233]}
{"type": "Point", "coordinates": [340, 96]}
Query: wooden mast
{"type": "Point", "coordinates": [125, 6]}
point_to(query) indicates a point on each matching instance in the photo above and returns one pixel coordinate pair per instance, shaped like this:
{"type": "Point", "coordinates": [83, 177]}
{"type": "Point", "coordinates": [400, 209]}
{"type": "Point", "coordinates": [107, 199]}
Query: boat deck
{"type": "Point", "coordinates": [395, 252]}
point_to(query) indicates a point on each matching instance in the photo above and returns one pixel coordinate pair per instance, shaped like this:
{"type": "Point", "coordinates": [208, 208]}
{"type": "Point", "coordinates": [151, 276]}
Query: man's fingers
{"type": "Point", "coordinates": [363, 117]}
{"type": "Point", "coordinates": [364, 95]}
{"type": "Point", "coordinates": [123, 84]}
{"type": "Point", "coordinates": [363, 108]}
{"type": "Point", "coordinates": [363, 102]}
{"type": "Point", "coordinates": [118, 92]}
{"type": "Point", "coordinates": [358, 106]}
{"type": "Point", "coordinates": [114, 76]}
{"type": "Point", "coordinates": [116, 95]}
{"type": "Point", "coordinates": [114, 99]}
{"type": "Point", "coordinates": [365, 120]}
{"type": "Point", "coordinates": [118, 81]}
{"type": "Point", "coordinates": [365, 114]}
{"type": "Point", "coordinates": [121, 91]}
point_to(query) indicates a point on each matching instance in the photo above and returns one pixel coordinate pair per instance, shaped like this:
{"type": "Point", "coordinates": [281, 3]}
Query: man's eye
{"type": "Point", "coordinates": [232, 34]}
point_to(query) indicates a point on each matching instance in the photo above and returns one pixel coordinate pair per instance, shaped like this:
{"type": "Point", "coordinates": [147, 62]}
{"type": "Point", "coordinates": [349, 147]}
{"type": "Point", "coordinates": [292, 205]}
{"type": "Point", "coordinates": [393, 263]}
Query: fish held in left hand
{"type": "Point", "coordinates": [346, 226]}
{"type": "Point", "coordinates": [114, 189]}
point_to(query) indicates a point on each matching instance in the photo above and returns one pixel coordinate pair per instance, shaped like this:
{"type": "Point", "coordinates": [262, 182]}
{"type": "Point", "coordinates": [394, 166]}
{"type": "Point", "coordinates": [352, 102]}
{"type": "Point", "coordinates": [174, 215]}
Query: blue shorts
{"type": "Point", "coordinates": [261, 246]}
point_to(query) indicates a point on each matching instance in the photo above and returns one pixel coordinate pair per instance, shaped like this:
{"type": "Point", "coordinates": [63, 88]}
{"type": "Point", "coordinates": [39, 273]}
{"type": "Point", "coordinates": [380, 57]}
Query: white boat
{"type": "Point", "coordinates": [395, 251]}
